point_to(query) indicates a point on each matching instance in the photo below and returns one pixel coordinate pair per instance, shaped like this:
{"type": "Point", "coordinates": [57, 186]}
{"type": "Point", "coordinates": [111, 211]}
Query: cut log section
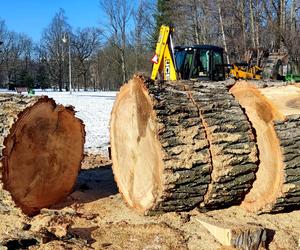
{"type": "Point", "coordinates": [180, 144]}
{"type": "Point", "coordinates": [161, 158]}
{"type": "Point", "coordinates": [41, 148]}
{"type": "Point", "coordinates": [238, 236]}
{"type": "Point", "coordinates": [275, 115]}
{"type": "Point", "coordinates": [232, 144]}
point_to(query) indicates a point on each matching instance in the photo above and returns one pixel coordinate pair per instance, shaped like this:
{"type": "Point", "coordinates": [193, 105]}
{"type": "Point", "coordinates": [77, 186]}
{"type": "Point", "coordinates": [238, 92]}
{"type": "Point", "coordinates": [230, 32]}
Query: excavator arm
{"type": "Point", "coordinates": [164, 65]}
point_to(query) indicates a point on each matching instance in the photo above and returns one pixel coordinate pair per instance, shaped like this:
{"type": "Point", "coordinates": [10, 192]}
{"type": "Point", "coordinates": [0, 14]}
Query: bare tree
{"type": "Point", "coordinates": [118, 13]}
{"type": "Point", "coordinates": [141, 34]}
{"type": "Point", "coordinates": [85, 42]}
{"type": "Point", "coordinates": [54, 48]}
{"type": "Point", "coordinates": [252, 24]}
{"type": "Point", "coordinates": [222, 29]}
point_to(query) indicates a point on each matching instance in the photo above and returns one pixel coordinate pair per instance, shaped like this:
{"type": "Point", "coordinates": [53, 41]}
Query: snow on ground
{"type": "Point", "coordinates": [94, 109]}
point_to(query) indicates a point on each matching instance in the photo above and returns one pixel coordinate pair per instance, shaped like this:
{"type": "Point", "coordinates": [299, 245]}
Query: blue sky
{"type": "Point", "coordinates": [32, 16]}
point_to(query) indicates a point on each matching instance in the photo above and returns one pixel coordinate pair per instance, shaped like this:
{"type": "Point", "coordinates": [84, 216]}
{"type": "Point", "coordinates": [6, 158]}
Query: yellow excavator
{"type": "Point", "coordinates": [245, 71]}
{"type": "Point", "coordinates": [203, 62]}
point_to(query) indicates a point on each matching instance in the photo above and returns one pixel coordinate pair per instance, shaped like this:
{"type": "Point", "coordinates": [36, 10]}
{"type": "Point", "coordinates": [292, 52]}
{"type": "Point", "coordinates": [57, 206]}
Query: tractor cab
{"type": "Point", "coordinates": [203, 62]}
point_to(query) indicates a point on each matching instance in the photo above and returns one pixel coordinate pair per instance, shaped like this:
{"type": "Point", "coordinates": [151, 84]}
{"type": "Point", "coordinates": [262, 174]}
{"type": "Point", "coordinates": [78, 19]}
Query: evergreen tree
{"type": "Point", "coordinates": [162, 16]}
{"type": "Point", "coordinates": [42, 77]}
{"type": "Point", "coordinates": [21, 82]}
{"type": "Point", "coordinates": [25, 79]}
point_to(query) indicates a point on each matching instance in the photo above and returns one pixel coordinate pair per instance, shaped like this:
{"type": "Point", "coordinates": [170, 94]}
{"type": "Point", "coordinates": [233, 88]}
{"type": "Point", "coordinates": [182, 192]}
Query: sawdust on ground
{"type": "Point", "coordinates": [94, 216]}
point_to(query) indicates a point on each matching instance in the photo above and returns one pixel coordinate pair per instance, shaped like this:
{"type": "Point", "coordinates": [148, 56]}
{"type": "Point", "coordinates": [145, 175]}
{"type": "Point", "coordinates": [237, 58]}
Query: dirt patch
{"type": "Point", "coordinates": [145, 236]}
{"type": "Point", "coordinates": [94, 216]}
{"type": "Point", "coordinates": [95, 160]}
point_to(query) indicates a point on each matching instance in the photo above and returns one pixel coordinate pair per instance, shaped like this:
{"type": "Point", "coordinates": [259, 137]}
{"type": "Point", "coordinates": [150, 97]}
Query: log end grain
{"type": "Point", "coordinates": [276, 132]}
{"type": "Point", "coordinates": [136, 153]}
{"type": "Point", "coordinates": [42, 151]}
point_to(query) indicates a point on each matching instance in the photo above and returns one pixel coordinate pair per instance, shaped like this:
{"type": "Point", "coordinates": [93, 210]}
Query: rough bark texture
{"type": "Point", "coordinates": [208, 149]}
{"type": "Point", "coordinates": [232, 144]}
{"type": "Point", "coordinates": [288, 133]}
{"type": "Point", "coordinates": [185, 148]}
{"type": "Point", "coordinates": [179, 173]}
{"type": "Point", "coordinates": [237, 236]}
{"type": "Point", "coordinates": [23, 123]}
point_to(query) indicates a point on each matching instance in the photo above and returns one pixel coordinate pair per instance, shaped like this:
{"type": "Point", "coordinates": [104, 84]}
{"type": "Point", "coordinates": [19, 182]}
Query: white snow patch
{"type": "Point", "coordinates": [94, 109]}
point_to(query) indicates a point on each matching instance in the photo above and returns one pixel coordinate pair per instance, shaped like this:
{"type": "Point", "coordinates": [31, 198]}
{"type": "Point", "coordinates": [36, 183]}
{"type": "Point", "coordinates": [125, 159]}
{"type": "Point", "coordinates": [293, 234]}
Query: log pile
{"type": "Point", "coordinates": [185, 144]}
{"type": "Point", "coordinates": [41, 149]}
{"type": "Point", "coordinates": [232, 144]}
{"type": "Point", "coordinates": [171, 152]}
{"type": "Point", "coordinates": [164, 163]}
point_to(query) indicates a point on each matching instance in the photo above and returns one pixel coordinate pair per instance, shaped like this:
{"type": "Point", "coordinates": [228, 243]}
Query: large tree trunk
{"type": "Point", "coordinates": [41, 148]}
{"type": "Point", "coordinates": [275, 115]}
{"type": "Point", "coordinates": [170, 150]}
{"type": "Point", "coordinates": [232, 144]}
{"type": "Point", "coordinates": [161, 158]}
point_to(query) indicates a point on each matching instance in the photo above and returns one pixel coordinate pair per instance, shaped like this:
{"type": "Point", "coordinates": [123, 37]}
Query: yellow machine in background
{"type": "Point", "coordinates": [163, 60]}
{"type": "Point", "coordinates": [203, 62]}
{"type": "Point", "coordinates": [243, 71]}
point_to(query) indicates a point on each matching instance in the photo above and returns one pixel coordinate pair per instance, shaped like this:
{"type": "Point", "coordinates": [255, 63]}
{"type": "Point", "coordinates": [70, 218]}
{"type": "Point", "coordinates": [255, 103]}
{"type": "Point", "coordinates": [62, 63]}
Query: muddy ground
{"type": "Point", "coordinates": [94, 216]}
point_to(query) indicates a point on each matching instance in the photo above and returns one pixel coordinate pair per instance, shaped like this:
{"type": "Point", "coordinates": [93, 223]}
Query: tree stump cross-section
{"type": "Point", "coordinates": [41, 148]}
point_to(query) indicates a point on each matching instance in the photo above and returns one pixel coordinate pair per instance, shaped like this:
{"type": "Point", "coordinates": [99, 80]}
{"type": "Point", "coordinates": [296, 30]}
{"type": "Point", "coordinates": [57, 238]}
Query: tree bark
{"type": "Point", "coordinates": [196, 21]}
{"type": "Point", "coordinates": [278, 25]}
{"type": "Point", "coordinates": [161, 159]}
{"type": "Point", "coordinates": [282, 16]}
{"type": "Point", "coordinates": [180, 144]}
{"type": "Point", "coordinates": [232, 144]}
{"type": "Point", "coordinates": [41, 148]}
{"type": "Point", "coordinates": [274, 114]}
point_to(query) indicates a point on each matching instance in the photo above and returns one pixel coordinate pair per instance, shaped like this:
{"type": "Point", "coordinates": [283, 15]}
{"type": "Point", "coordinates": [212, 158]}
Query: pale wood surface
{"type": "Point", "coordinates": [232, 144]}
{"type": "Point", "coordinates": [41, 150]}
{"type": "Point", "coordinates": [160, 156]}
{"type": "Point", "coordinates": [176, 145]}
{"type": "Point", "coordinates": [276, 123]}
{"type": "Point", "coordinates": [239, 236]}
{"type": "Point", "coordinates": [285, 98]}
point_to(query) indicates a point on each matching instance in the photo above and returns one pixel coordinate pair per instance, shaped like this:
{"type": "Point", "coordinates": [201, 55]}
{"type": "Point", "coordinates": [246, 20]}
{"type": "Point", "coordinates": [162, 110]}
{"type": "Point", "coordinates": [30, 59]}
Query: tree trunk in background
{"type": "Point", "coordinates": [243, 24]}
{"type": "Point", "coordinates": [204, 28]}
{"type": "Point", "coordinates": [123, 66]}
{"type": "Point", "coordinates": [293, 17]}
{"type": "Point", "coordinates": [283, 19]}
{"type": "Point", "coordinates": [196, 22]}
{"type": "Point", "coordinates": [252, 24]}
{"type": "Point", "coordinates": [257, 33]}
{"type": "Point", "coordinates": [278, 25]}
{"type": "Point", "coordinates": [257, 18]}
{"type": "Point", "coordinates": [223, 32]}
